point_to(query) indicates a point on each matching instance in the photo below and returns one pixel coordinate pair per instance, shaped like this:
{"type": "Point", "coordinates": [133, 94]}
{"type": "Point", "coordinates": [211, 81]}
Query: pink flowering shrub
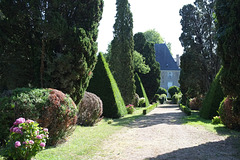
{"type": "Point", "coordinates": [51, 108]}
{"type": "Point", "coordinates": [26, 139]}
{"type": "Point", "coordinates": [130, 108]}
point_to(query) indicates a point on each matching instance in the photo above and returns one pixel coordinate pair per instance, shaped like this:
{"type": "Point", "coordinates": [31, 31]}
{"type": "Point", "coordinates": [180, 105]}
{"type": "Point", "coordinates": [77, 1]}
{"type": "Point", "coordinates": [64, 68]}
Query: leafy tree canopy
{"type": "Point", "coordinates": [153, 36]}
{"type": "Point", "coordinates": [139, 63]}
{"type": "Point", "coordinates": [199, 62]}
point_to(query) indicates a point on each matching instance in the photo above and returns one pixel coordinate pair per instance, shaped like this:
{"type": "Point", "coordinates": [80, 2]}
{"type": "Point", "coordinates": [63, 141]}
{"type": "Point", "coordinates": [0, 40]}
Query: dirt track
{"type": "Point", "coordinates": [161, 135]}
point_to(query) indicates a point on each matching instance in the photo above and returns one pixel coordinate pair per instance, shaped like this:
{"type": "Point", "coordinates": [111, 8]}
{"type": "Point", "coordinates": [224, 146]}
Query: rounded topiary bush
{"type": "Point", "coordinates": [90, 110]}
{"type": "Point", "coordinates": [161, 90]}
{"type": "Point", "coordinates": [173, 90]}
{"type": "Point", "coordinates": [51, 108]}
{"type": "Point", "coordinates": [230, 113]}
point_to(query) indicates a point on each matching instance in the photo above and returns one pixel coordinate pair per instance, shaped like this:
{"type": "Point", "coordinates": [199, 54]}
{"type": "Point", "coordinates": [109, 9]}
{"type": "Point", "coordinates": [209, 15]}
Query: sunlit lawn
{"type": "Point", "coordinates": [85, 141]}
{"type": "Point", "coordinates": [196, 120]}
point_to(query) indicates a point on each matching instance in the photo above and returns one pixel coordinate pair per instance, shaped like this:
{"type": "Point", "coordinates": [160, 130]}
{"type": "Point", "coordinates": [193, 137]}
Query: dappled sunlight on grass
{"type": "Point", "coordinates": [85, 141]}
{"type": "Point", "coordinates": [196, 120]}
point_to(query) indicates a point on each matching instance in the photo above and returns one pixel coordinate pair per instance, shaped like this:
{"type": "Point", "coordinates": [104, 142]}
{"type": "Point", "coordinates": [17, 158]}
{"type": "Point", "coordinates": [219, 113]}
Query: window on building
{"type": "Point", "coordinates": [170, 74]}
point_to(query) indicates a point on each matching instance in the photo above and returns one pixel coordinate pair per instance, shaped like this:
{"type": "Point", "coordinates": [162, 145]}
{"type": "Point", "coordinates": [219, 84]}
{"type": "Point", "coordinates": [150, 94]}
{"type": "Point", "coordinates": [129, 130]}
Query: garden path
{"type": "Point", "coordinates": [160, 135]}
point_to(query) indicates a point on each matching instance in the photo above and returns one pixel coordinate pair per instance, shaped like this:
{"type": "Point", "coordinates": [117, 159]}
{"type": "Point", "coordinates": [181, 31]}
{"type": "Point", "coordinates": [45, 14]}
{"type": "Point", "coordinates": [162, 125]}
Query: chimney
{"type": "Point", "coordinates": [178, 60]}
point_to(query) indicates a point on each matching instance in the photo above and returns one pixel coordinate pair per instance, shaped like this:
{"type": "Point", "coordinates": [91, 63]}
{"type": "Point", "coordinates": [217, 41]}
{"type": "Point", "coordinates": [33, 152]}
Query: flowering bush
{"type": "Point", "coordinates": [216, 120]}
{"type": "Point", "coordinates": [50, 108]}
{"type": "Point", "coordinates": [26, 139]}
{"type": "Point", "coordinates": [130, 108]}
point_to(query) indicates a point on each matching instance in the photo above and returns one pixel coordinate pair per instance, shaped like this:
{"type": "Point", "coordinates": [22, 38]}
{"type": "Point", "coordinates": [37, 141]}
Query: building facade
{"type": "Point", "coordinates": [170, 70]}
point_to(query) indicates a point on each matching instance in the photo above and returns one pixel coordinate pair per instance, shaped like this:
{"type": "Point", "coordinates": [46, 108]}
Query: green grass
{"type": "Point", "coordinates": [86, 141]}
{"type": "Point", "coordinates": [196, 120]}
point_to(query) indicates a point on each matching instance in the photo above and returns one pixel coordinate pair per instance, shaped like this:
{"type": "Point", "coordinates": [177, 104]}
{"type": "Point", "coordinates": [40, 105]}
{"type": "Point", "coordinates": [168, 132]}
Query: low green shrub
{"type": "Point", "coordinates": [176, 98]}
{"type": "Point", "coordinates": [161, 90]}
{"type": "Point", "coordinates": [160, 98]}
{"type": "Point", "coordinates": [150, 108]}
{"type": "Point", "coordinates": [140, 89]}
{"type": "Point", "coordinates": [185, 109]}
{"type": "Point", "coordinates": [173, 90]}
{"type": "Point", "coordinates": [104, 85]}
{"type": "Point", "coordinates": [213, 99]}
{"type": "Point", "coordinates": [90, 110]}
{"type": "Point", "coordinates": [230, 113]}
{"type": "Point", "coordinates": [216, 120]}
{"type": "Point", "coordinates": [163, 98]}
{"type": "Point", "coordinates": [156, 98]}
{"type": "Point", "coordinates": [49, 107]}
{"type": "Point", "coordinates": [142, 102]}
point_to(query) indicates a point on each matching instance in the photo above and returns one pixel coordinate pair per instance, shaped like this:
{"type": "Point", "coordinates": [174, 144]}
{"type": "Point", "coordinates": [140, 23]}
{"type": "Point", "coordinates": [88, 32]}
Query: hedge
{"type": "Point", "coordinates": [213, 98]}
{"type": "Point", "coordinates": [185, 109]}
{"type": "Point", "coordinates": [150, 108]}
{"type": "Point", "coordinates": [104, 85]}
{"type": "Point", "coordinates": [140, 89]}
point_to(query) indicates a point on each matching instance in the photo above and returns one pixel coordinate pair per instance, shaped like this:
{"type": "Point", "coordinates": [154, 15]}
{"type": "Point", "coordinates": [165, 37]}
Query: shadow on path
{"type": "Point", "coordinates": [208, 151]}
{"type": "Point", "coordinates": [163, 114]}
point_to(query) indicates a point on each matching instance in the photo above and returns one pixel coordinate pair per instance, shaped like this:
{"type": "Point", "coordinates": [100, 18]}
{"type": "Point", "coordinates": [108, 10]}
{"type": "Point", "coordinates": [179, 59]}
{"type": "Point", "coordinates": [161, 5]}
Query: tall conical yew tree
{"type": "Point", "coordinates": [121, 59]}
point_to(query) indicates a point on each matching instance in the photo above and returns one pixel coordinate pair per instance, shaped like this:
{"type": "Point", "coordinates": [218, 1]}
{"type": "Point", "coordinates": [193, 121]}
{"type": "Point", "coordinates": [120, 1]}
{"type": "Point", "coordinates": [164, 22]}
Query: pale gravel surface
{"type": "Point", "coordinates": [161, 135]}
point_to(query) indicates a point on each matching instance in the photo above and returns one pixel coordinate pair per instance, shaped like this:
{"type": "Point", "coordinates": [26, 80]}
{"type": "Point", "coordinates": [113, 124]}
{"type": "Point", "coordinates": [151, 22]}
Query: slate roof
{"type": "Point", "coordinates": [164, 57]}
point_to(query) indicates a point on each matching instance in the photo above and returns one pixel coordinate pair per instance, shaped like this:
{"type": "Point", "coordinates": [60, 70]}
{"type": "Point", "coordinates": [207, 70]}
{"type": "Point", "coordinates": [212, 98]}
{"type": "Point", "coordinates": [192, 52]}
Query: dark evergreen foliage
{"type": "Point", "coordinates": [122, 47]}
{"type": "Point", "coordinates": [104, 85]}
{"type": "Point", "coordinates": [173, 90]}
{"type": "Point", "coordinates": [49, 44]}
{"type": "Point", "coordinates": [228, 19]}
{"type": "Point", "coordinates": [161, 91]}
{"type": "Point", "coordinates": [198, 40]}
{"type": "Point", "coordinates": [140, 89]}
{"type": "Point", "coordinates": [213, 99]}
{"type": "Point", "coordinates": [151, 80]}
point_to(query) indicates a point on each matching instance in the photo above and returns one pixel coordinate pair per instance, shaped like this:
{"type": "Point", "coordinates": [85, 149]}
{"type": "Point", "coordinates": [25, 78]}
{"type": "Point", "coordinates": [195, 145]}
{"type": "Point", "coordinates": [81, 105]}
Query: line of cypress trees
{"type": "Point", "coordinates": [121, 59]}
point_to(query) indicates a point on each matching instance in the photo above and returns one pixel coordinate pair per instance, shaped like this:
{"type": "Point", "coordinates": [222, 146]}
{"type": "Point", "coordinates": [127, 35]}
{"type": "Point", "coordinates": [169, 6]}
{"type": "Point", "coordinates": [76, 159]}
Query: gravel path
{"type": "Point", "coordinates": [161, 136]}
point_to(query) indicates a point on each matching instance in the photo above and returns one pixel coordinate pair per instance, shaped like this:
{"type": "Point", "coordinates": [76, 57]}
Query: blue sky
{"type": "Point", "coordinates": [161, 15]}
